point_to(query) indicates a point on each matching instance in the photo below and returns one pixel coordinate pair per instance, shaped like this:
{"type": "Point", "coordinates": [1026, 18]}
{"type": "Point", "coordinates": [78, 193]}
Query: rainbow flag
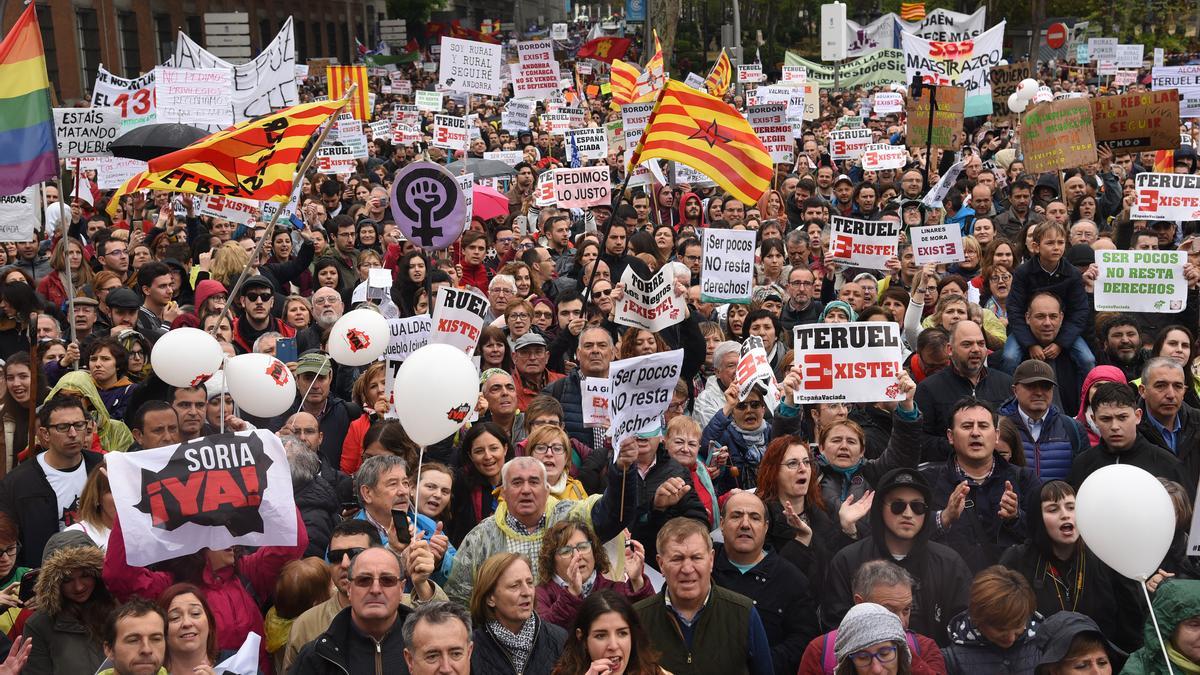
{"type": "Point", "coordinates": [28, 150]}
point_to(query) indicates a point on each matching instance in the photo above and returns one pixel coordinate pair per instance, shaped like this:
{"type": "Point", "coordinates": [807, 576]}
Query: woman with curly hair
{"type": "Point", "coordinates": [573, 564]}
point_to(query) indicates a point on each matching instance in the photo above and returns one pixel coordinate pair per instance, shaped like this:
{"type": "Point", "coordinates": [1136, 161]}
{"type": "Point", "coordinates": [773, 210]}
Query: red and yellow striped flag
{"type": "Point", "coordinates": [340, 79]}
{"type": "Point", "coordinates": [1164, 161]}
{"type": "Point", "coordinates": [655, 65]}
{"type": "Point", "coordinates": [253, 160]}
{"type": "Point", "coordinates": [722, 73]}
{"type": "Point", "coordinates": [623, 79]}
{"type": "Point", "coordinates": [912, 11]}
{"type": "Point", "coordinates": [707, 134]}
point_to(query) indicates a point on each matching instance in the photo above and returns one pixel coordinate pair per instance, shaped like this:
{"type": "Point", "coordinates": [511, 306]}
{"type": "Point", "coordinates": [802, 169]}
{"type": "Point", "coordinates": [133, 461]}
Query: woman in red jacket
{"type": "Point", "coordinates": [573, 565]}
{"type": "Point", "coordinates": [54, 286]}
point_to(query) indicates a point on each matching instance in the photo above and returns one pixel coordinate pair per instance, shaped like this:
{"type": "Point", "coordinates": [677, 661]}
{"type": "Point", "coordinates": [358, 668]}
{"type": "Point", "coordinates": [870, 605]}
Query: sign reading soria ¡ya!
{"type": "Point", "coordinates": [1141, 281]}
{"type": "Point", "coordinates": [1058, 135]}
{"type": "Point", "coordinates": [1166, 196]}
{"type": "Point", "coordinates": [848, 362]}
{"type": "Point", "coordinates": [1136, 122]}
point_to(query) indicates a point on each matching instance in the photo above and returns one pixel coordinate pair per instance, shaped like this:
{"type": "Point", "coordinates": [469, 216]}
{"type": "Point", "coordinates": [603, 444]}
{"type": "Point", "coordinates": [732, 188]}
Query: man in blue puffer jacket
{"type": "Point", "coordinates": [1050, 439]}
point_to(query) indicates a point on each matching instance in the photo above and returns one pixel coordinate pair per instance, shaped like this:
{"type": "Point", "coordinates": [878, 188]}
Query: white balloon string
{"type": "Point", "coordinates": [222, 395]}
{"type": "Point", "coordinates": [225, 386]}
{"type": "Point", "coordinates": [1154, 620]}
{"type": "Point", "coordinates": [314, 381]}
{"type": "Point", "coordinates": [417, 489]}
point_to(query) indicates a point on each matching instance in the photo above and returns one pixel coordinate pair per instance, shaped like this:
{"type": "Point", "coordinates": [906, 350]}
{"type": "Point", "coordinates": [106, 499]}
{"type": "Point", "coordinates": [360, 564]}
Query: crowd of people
{"type": "Point", "coordinates": [931, 534]}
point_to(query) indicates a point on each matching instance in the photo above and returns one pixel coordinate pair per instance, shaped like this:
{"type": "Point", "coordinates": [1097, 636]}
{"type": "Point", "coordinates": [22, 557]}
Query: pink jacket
{"type": "Point", "coordinates": [559, 606]}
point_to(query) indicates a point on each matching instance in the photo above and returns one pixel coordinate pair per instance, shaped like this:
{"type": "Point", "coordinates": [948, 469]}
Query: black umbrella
{"type": "Point", "coordinates": [482, 168]}
{"type": "Point", "coordinates": [155, 140]}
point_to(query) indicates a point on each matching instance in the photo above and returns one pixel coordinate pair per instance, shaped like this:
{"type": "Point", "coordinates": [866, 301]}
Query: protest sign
{"type": "Point", "coordinates": [470, 67]}
{"type": "Point", "coordinates": [558, 124]}
{"type": "Point", "coordinates": [963, 63]}
{"type": "Point", "coordinates": [888, 102]}
{"type": "Point", "coordinates": [634, 117]}
{"type": "Point", "coordinates": [936, 197]}
{"type": "Point", "coordinates": [1137, 122]}
{"type": "Point", "coordinates": [112, 172]}
{"type": "Point", "coordinates": [543, 192]}
{"type": "Point", "coordinates": [614, 134]}
{"type": "Point", "coordinates": [86, 132]}
{"type": "Point", "coordinates": [1141, 281]}
{"type": "Point", "coordinates": [407, 336]}
{"type": "Point", "coordinates": [335, 158]}
{"type": "Point", "coordinates": [650, 303]}
{"type": "Point", "coordinates": [380, 129]}
{"type": "Point", "coordinates": [408, 115]}
{"type": "Point", "coordinates": [947, 119]}
{"type": "Point", "coordinates": [641, 391]}
{"type": "Point", "coordinates": [883, 157]}
{"type": "Point", "coordinates": [1124, 78]}
{"type": "Point", "coordinates": [1166, 196]}
{"type": "Point", "coordinates": [1129, 56]}
{"type": "Point", "coordinates": [558, 31]}
{"type": "Point", "coordinates": [200, 97]}
{"type": "Point", "coordinates": [466, 185]}
{"type": "Point", "coordinates": [1159, 54]}
{"type": "Point", "coordinates": [1102, 48]}
{"type": "Point", "coordinates": [848, 362]}
{"type": "Point", "coordinates": [458, 318]}
{"type": "Point", "coordinates": [19, 215]}
{"type": "Point", "coordinates": [430, 101]}
{"type": "Point", "coordinates": [770, 124]}
{"type": "Point", "coordinates": [751, 73]}
{"type": "Point", "coordinates": [754, 371]}
{"type": "Point", "coordinates": [450, 132]}
{"type": "Point", "coordinates": [241, 211]}
{"type": "Point", "coordinates": [877, 68]}
{"type": "Point", "coordinates": [516, 114]}
{"type": "Point", "coordinates": [938, 243]}
{"type": "Point", "coordinates": [403, 134]}
{"type": "Point", "coordinates": [1058, 135]}
{"type": "Point", "coordinates": [536, 73]}
{"type": "Point", "coordinates": [134, 98]}
{"type": "Point", "coordinates": [262, 85]}
{"type": "Point", "coordinates": [848, 143]}
{"type": "Point", "coordinates": [793, 75]}
{"type": "Point", "coordinates": [213, 492]}
{"type": "Point", "coordinates": [684, 174]}
{"type": "Point", "coordinates": [509, 157]}
{"type": "Point", "coordinates": [694, 81]}
{"type": "Point", "coordinates": [863, 243]}
{"type": "Point", "coordinates": [1105, 67]}
{"type": "Point", "coordinates": [946, 25]}
{"type": "Point", "coordinates": [574, 116]}
{"type": "Point", "coordinates": [1186, 79]}
{"type": "Point", "coordinates": [595, 393]}
{"type": "Point", "coordinates": [589, 142]}
{"type": "Point", "coordinates": [1004, 83]}
{"type": "Point", "coordinates": [581, 188]}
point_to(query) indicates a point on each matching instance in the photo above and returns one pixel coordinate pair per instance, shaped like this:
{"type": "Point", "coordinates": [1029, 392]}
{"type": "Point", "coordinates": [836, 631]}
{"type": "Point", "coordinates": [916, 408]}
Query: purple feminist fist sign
{"type": "Point", "coordinates": [428, 206]}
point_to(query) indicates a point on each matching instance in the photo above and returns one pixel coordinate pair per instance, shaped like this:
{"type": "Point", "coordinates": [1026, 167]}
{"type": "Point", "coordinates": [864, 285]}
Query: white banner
{"type": "Point", "coordinates": [134, 98]}
{"type": "Point", "coordinates": [509, 157]}
{"type": "Point", "coordinates": [750, 73]}
{"type": "Point", "coordinates": [848, 362]}
{"type": "Point", "coordinates": [450, 132]}
{"type": "Point", "coordinates": [590, 142]}
{"type": "Point", "coordinates": [260, 86]}
{"type": "Point", "coordinates": [581, 188]}
{"type": "Point", "coordinates": [1141, 281]}
{"type": "Point", "coordinates": [19, 215]}
{"type": "Point", "coordinates": [335, 159]}
{"type": "Point", "coordinates": [516, 114]}
{"type": "Point", "coordinates": [641, 391]}
{"type": "Point", "coordinates": [408, 335]}
{"type": "Point", "coordinates": [112, 172]}
{"type": "Point", "coordinates": [200, 97]}
{"type": "Point", "coordinates": [536, 74]}
{"type": "Point", "coordinates": [429, 101]}
{"type": "Point", "coordinates": [939, 243]}
{"type": "Point", "coordinates": [944, 25]}
{"type": "Point", "coordinates": [470, 67]}
{"type": "Point", "coordinates": [1166, 196]}
{"type": "Point", "coordinates": [650, 303]}
{"type": "Point", "coordinates": [965, 64]}
{"type": "Point", "coordinates": [863, 243]}
{"type": "Point", "coordinates": [848, 143]}
{"type": "Point", "coordinates": [86, 132]}
{"type": "Point", "coordinates": [879, 34]}
{"type": "Point", "coordinates": [883, 157]}
{"type": "Point", "coordinates": [214, 492]}
{"type": "Point", "coordinates": [727, 271]}
{"type": "Point", "coordinates": [1184, 78]}
{"type": "Point", "coordinates": [770, 124]}
{"type": "Point", "coordinates": [458, 318]}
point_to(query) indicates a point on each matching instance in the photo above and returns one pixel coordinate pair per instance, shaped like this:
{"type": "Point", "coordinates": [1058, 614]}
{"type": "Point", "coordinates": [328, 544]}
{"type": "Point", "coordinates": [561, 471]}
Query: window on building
{"type": "Point", "coordinates": [316, 41]}
{"type": "Point", "coordinates": [46, 24]}
{"type": "Point", "coordinates": [87, 27]}
{"type": "Point", "coordinates": [331, 32]}
{"type": "Point", "coordinates": [127, 37]}
{"type": "Point", "coordinates": [301, 42]}
{"type": "Point", "coordinates": [165, 36]}
{"type": "Point", "coordinates": [195, 28]}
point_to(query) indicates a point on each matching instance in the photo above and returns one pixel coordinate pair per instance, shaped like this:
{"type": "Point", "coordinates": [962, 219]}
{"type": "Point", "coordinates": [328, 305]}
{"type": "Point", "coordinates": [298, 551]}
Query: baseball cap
{"type": "Point", "coordinates": [314, 363]}
{"type": "Point", "coordinates": [1033, 370]}
{"type": "Point", "coordinates": [843, 177]}
{"type": "Point", "coordinates": [123, 298]}
{"type": "Point", "coordinates": [530, 339]}
{"type": "Point", "coordinates": [259, 281]}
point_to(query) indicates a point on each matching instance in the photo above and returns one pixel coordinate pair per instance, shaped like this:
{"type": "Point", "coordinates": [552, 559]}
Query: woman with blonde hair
{"type": "Point", "coordinates": [510, 638]}
{"type": "Point", "coordinates": [551, 446]}
{"type": "Point", "coordinates": [96, 508]}
{"type": "Point", "coordinates": [227, 264]}
{"type": "Point", "coordinates": [54, 286]}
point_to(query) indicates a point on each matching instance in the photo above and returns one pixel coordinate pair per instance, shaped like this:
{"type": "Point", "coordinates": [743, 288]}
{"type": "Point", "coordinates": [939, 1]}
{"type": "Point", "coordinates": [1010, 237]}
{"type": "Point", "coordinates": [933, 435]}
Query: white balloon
{"type": "Point", "coordinates": [1126, 517]}
{"type": "Point", "coordinates": [186, 357]}
{"type": "Point", "coordinates": [1027, 88]}
{"type": "Point", "coordinates": [260, 384]}
{"type": "Point", "coordinates": [1003, 62]}
{"type": "Point", "coordinates": [435, 391]}
{"type": "Point", "coordinates": [359, 337]}
{"type": "Point", "coordinates": [1017, 104]}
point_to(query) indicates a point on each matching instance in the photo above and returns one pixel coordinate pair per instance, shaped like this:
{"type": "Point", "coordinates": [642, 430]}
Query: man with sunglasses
{"type": "Point", "coordinates": [901, 529]}
{"type": "Point", "coordinates": [257, 299]}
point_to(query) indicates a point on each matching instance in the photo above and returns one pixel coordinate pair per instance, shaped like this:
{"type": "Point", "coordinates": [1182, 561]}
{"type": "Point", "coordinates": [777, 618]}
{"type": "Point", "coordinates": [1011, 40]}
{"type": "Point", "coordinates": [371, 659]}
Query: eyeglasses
{"type": "Point", "coordinates": [504, 240]}
{"type": "Point", "coordinates": [582, 547]}
{"type": "Point", "coordinates": [545, 423]}
{"type": "Point", "coordinates": [864, 659]}
{"type": "Point", "coordinates": [519, 316]}
{"type": "Point", "coordinates": [918, 507]}
{"type": "Point", "coordinates": [66, 427]}
{"type": "Point", "coordinates": [691, 258]}
{"type": "Point", "coordinates": [503, 291]}
{"type": "Point", "coordinates": [336, 554]}
{"type": "Point", "coordinates": [543, 315]}
{"type": "Point", "coordinates": [119, 251]}
{"type": "Point", "coordinates": [11, 551]}
{"type": "Point", "coordinates": [1002, 277]}
{"type": "Point", "coordinates": [258, 297]}
{"type": "Point", "coordinates": [602, 294]}
{"type": "Point", "coordinates": [550, 449]}
{"type": "Point", "coordinates": [367, 581]}
{"type": "Point", "coordinates": [800, 283]}
{"type": "Point", "coordinates": [749, 405]}
{"type": "Point", "coordinates": [795, 464]}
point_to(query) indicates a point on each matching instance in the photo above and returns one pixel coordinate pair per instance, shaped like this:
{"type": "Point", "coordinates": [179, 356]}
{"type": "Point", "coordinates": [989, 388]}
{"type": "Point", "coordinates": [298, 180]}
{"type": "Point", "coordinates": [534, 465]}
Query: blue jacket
{"type": "Point", "coordinates": [741, 455]}
{"type": "Point", "coordinates": [1061, 439]}
{"type": "Point", "coordinates": [426, 527]}
{"type": "Point", "coordinates": [1066, 283]}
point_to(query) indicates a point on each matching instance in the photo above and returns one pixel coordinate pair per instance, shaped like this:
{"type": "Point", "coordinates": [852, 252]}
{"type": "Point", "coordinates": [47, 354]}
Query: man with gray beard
{"type": "Point", "coordinates": [327, 308]}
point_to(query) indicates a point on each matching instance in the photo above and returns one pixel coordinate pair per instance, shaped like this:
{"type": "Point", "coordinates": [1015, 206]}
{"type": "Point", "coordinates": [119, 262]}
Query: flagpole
{"type": "Point", "coordinates": [300, 171]}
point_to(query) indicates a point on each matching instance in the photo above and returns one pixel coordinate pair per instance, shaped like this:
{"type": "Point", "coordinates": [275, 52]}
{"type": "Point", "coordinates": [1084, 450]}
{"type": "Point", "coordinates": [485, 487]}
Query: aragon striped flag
{"type": "Point", "coordinates": [340, 79]}
{"type": "Point", "coordinates": [718, 80]}
{"type": "Point", "coordinates": [623, 79]}
{"type": "Point", "coordinates": [655, 66]}
{"type": "Point", "coordinates": [707, 134]}
{"type": "Point", "coordinates": [912, 11]}
{"type": "Point", "coordinates": [253, 160]}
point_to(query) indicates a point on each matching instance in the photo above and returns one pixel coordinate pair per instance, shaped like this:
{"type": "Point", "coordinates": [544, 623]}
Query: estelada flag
{"type": "Point", "coordinates": [623, 79]}
{"type": "Point", "coordinates": [707, 134]}
{"type": "Point", "coordinates": [718, 80]}
{"type": "Point", "coordinates": [253, 160]}
{"type": "Point", "coordinates": [340, 79]}
{"type": "Point", "coordinates": [604, 49]}
{"type": "Point", "coordinates": [912, 11]}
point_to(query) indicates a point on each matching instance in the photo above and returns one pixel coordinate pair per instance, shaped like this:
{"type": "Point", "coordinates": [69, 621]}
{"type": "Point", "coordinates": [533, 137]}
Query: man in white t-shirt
{"type": "Point", "coordinates": [42, 495]}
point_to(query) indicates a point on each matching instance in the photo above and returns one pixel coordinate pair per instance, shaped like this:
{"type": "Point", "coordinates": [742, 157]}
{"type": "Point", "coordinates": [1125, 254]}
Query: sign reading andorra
{"type": "Point", "coordinates": [428, 206]}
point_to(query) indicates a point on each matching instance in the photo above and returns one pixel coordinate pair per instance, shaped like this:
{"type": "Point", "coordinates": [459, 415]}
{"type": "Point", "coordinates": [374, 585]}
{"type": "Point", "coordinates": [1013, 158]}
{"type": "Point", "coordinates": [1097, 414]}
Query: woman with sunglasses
{"type": "Point", "coordinates": [741, 430]}
{"type": "Point", "coordinates": [510, 638]}
{"type": "Point", "coordinates": [573, 564]}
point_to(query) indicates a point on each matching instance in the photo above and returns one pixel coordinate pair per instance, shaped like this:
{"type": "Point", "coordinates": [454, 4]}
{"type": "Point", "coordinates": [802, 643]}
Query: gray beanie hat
{"type": "Point", "coordinates": [867, 624]}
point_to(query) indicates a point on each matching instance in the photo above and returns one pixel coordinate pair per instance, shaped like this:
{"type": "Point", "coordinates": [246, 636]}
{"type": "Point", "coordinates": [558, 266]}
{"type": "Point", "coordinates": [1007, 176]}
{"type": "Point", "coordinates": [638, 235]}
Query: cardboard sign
{"type": "Point", "coordinates": [888, 102]}
{"type": "Point", "coordinates": [213, 492]}
{"type": "Point", "coordinates": [1137, 122]}
{"type": "Point", "coordinates": [581, 188]}
{"type": "Point", "coordinates": [429, 101]}
{"type": "Point", "coordinates": [1058, 135]}
{"type": "Point", "coordinates": [863, 243]}
{"type": "Point", "coordinates": [883, 157]}
{"type": "Point", "coordinates": [450, 132]}
{"type": "Point", "coordinates": [848, 143]}
{"type": "Point", "coordinates": [1129, 56]}
{"type": "Point", "coordinates": [939, 243]}
{"type": "Point", "coordinates": [751, 73]}
{"type": "Point", "coordinates": [19, 215]}
{"type": "Point", "coordinates": [650, 303]}
{"type": "Point", "coordinates": [86, 132]}
{"type": "Point", "coordinates": [470, 67]}
{"type": "Point", "coordinates": [641, 391]}
{"type": "Point", "coordinates": [771, 125]}
{"type": "Point", "coordinates": [1141, 281]}
{"type": "Point", "coordinates": [1166, 196]}
{"type": "Point", "coordinates": [458, 318]}
{"type": "Point", "coordinates": [848, 362]}
{"type": "Point", "coordinates": [947, 119]}
{"type": "Point", "coordinates": [589, 142]}
{"type": "Point", "coordinates": [1004, 83]}
{"type": "Point", "coordinates": [595, 393]}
